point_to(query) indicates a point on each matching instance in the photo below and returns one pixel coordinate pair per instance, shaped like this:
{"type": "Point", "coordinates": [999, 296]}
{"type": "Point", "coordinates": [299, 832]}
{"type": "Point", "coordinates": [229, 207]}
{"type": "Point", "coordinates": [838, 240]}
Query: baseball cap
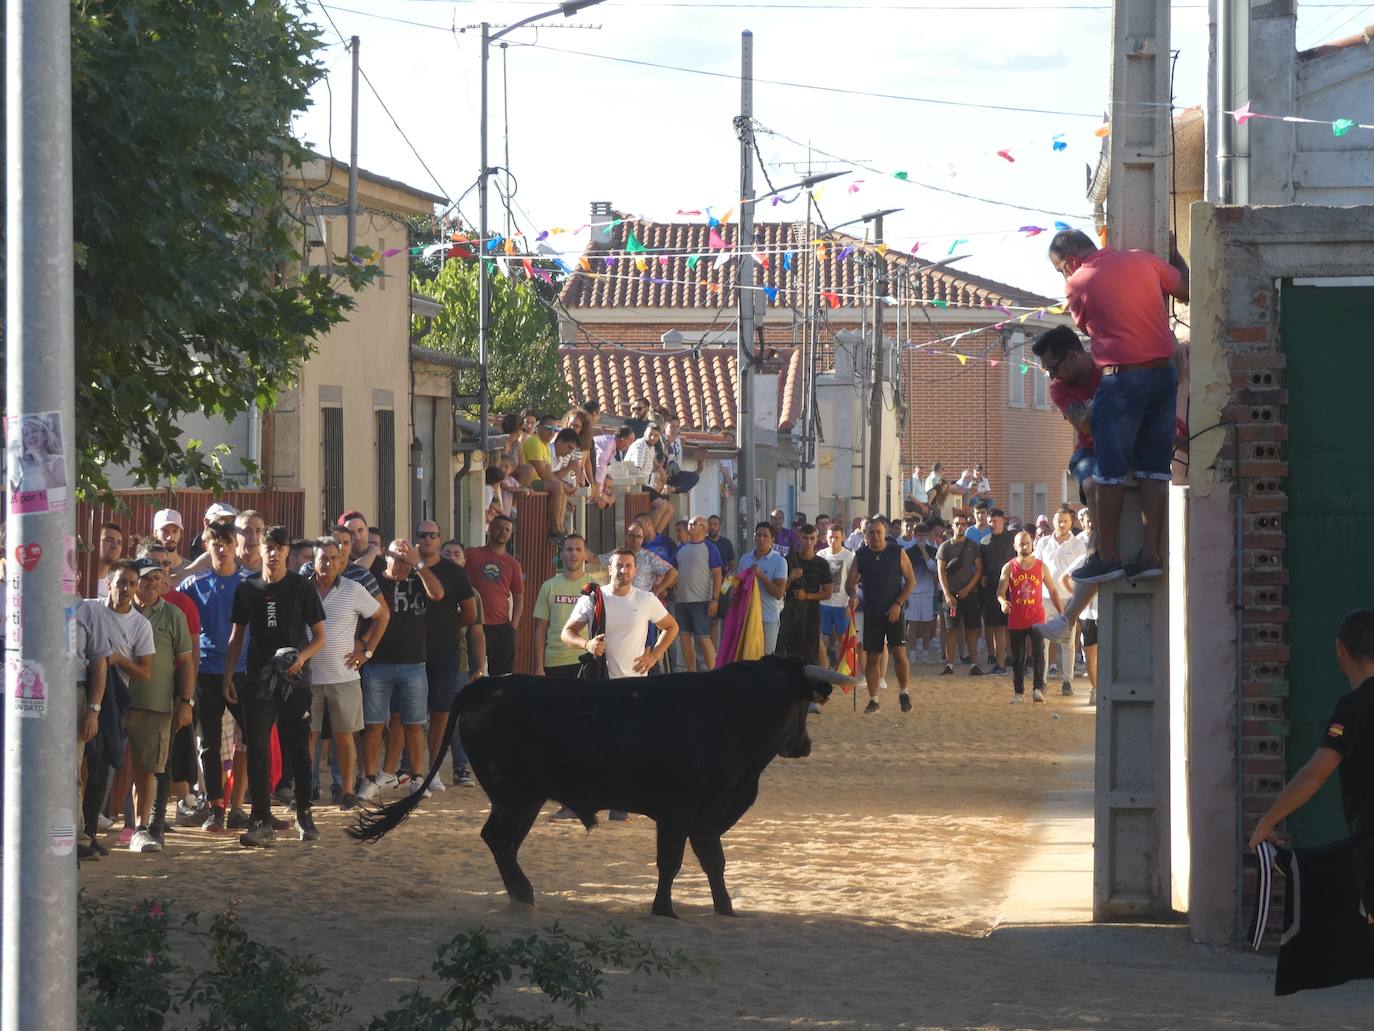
{"type": "Point", "coordinates": [146, 566]}
{"type": "Point", "coordinates": [167, 517]}
{"type": "Point", "coordinates": [220, 510]}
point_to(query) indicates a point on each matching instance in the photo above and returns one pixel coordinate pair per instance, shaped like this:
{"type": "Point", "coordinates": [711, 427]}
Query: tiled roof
{"type": "Point", "coordinates": [667, 281]}
{"type": "Point", "coordinates": [699, 386]}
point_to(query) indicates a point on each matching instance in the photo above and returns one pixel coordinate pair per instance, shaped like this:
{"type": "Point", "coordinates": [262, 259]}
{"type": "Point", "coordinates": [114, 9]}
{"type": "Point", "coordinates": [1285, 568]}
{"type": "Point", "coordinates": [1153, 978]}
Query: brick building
{"type": "Point", "coordinates": [647, 285]}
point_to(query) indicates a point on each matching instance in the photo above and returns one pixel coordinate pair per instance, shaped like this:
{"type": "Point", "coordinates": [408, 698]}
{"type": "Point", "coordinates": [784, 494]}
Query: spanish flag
{"type": "Point", "coordinates": [848, 661]}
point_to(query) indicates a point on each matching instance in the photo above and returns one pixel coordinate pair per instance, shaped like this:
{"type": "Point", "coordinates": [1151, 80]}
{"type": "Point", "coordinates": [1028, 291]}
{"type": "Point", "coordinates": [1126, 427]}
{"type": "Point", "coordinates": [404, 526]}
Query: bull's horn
{"type": "Point", "coordinates": [830, 676]}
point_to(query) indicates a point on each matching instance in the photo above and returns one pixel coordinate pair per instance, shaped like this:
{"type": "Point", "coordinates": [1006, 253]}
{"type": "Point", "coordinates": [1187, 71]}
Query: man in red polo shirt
{"type": "Point", "coordinates": [1119, 299]}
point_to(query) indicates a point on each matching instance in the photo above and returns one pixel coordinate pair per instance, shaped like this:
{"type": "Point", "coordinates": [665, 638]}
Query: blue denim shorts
{"type": "Point", "coordinates": [444, 680]}
{"type": "Point", "coordinates": [1081, 463]}
{"type": "Point", "coordinates": [693, 618]}
{"type": "Point", "coordinates": [399, 686]}
{"type": "Point", "coordinates": [1133, 424]}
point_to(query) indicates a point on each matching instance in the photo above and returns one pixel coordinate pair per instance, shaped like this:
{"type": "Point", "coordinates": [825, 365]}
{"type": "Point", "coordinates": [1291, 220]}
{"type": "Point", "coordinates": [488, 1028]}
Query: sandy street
{"type": "Point", "coordinates": [871, 881]}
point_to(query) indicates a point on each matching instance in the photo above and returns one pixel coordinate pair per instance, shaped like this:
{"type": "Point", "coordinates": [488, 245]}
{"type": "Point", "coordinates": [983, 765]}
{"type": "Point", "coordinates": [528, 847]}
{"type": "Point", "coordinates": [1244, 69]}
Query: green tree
{"type": "Point", "coordinates": [522, 367]}
{"type": "Point", "coordinates": [189, 290]}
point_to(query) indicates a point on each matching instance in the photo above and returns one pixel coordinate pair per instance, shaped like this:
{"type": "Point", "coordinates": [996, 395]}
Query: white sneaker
{"type": "Point", "coordinates": [386, 781]}
{"type": "Point", "coordinates": [142, 841]}
{"type": "Point", "coordinates": [103, 823]}
{"type": "Point", "coordinates": [369, 789]}
{"type": "Point", "coordinates": [415, 786]}
{"type": "Point", "coordinates": [1018, 699]}
{"type": "Point", "coordinates": [1056, 628]}
{"type": "Point", "coordinates": [437, 784]}
{"type": "Point", "coordinates": [1037, 695]}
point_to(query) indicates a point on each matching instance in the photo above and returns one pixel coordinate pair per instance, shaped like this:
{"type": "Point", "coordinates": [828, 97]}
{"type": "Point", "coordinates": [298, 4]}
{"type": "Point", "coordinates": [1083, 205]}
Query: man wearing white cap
{"type": "Point", "coordinates": [199, 560]}
{"type": "Point", "coordinates": [168, 530]}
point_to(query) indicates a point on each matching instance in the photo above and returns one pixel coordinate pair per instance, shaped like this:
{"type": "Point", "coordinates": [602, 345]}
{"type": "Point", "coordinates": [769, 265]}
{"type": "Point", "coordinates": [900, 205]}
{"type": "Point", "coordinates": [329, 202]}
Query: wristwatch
{"type": "Point", "coordinates": [187, 701]}
{"type": "Point", "coordinates": [367, 653]}
{"type": "Point", "coordinates": [93, 706]}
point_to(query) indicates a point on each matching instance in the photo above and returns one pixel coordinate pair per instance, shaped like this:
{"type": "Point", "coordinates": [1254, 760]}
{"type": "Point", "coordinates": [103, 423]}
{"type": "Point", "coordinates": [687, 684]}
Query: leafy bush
{"type": "Point", "coordinates": [127, 980]}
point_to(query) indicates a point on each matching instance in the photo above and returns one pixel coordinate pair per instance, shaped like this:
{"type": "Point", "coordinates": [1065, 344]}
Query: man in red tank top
{"type": "Point", "coordinates": [1019, 593]}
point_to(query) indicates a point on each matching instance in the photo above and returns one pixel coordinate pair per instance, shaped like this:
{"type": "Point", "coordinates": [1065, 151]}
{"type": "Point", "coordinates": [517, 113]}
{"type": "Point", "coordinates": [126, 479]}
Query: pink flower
{"type": "Point", "coordinates": [150, 960]}
{"type": "Point", "coordinates": [155, 910]}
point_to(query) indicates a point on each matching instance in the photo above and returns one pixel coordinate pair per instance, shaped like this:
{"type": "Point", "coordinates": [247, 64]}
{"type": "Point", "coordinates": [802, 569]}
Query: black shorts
{"type": "Point", "coordinates": [1087, 632]}
{"type": "Point", "coordinates": [992, 612]}
{"type": "Point", "coordinates": [878, 631]}
{"type": "Point", "coordinates": [969, 615]}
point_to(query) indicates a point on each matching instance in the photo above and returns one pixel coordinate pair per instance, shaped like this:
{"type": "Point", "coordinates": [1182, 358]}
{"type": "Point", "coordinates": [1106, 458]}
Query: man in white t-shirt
{"type": "Point", "coordinates": [1059, 551]}
{"type": "Point", "coordinates": [835, 609]}
{"type": "Point", "coordinates": [629, 611]}
{"type": "Point", "coordinates": [335, 681]}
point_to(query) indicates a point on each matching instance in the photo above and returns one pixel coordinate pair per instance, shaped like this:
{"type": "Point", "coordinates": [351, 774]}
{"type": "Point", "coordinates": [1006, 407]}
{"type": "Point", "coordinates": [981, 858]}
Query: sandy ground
{"type": "Point", "coordinates": [869, 879]}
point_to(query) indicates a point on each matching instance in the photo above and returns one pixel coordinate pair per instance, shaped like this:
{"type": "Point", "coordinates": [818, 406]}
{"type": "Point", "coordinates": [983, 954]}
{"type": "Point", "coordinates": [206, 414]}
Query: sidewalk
{"type": "Point", "coordinates": [1054, 880]}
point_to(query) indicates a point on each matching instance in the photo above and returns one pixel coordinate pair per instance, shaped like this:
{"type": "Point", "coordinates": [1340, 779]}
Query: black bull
{"type": "Point", "coordinates": [686, 750]}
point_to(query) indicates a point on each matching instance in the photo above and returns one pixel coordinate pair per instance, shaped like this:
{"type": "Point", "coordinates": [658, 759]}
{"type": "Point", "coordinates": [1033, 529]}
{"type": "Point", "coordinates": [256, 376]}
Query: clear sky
{"type": "Point", "coordinates": [653, 140]}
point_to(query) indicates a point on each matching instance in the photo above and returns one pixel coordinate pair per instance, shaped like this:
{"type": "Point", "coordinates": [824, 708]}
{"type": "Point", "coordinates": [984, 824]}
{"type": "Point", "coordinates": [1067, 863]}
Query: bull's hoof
{"type": "Point", "coordinates": [663, 910]}
{"type": "Point", "coordinates": [725, 909]}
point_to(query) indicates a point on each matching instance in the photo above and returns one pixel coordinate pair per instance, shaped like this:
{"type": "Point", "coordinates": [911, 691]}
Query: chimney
{"type": "Point", "coordinates": [601, 222]}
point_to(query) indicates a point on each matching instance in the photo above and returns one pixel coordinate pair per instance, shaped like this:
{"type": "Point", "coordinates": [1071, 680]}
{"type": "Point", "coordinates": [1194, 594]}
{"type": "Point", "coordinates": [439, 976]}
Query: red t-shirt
{"type": "Point", "coordinates": [495, 577]}
{"type": "Point", "coordinates": [1024, 591]}
{"type": "Point", "coordinates": [189, 610]}
{"type": "Point", "coordinates": [1117, 298]}
{"type": "Point", "coordinates": [1064, 394]}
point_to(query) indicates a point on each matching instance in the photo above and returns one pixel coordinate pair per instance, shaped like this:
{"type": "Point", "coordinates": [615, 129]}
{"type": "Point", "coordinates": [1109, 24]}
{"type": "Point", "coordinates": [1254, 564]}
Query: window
{"type": "Point", "coordinates": [1016, 381]}
{"type": "Point", "coordinates": [386, 472]}
{"type": "Point", "coordinates": [1042, 495]}
{"type": "Point", "coordinates": [1041, 387]}
{"type": "Point", "coordinates": [331, 463]}
{"type": "Point", "coordinates": [1016, 501]}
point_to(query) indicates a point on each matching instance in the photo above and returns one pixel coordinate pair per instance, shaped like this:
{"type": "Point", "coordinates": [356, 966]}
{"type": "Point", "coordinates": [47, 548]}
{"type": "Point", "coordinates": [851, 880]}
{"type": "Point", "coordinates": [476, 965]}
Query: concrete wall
{"type": "Point", "coordinates": [1239, 256]}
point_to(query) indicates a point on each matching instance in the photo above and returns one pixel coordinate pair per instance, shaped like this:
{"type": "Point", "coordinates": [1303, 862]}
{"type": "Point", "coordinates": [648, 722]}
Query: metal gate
{"type": "Point", "coordinates": [1330, 520]}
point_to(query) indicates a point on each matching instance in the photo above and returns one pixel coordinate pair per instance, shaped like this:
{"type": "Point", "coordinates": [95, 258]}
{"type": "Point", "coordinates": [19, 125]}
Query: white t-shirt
{"type": "Point", "coordinates": [345, 604]}
{"type": "Point", "coordinates": [1059, 558]}
{"type": "Point", "coordinates": [1090, 609]}
{"type": "Point", "coordinates": [839, 563]}
{"type": "Point", "coordinates": [627, 626]}
{"type": "Point", "coordinates": [130, 634]}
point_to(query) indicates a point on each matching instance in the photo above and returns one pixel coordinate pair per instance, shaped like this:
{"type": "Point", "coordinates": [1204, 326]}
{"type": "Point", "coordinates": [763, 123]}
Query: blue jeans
{"type": "Point", "coordinates": [1081, 464]}
{"type": "Point", "coordinates": [401, 686]}
{"type": "Point", "coordinates": [1133, 424]}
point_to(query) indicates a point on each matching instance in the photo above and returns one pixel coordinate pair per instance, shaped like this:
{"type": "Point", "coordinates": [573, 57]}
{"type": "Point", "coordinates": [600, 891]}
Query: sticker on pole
{"type": "Point", "coordinates": [37, 468]}
{"type": "Point", "coordinates": [27, 684]}
{"type": "Point", "coordinates": [62, 833]}
{"type": "Point", "coordinates": [14, 621]}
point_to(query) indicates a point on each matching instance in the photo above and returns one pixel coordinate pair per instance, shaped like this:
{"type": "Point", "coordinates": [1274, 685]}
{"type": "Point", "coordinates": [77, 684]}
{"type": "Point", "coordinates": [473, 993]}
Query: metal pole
{"type": "Point", "coordinates": [38, 986]}
{"type": "Point", "coordinates": [483, 276]}
{"type": "Point", "coordinates": [744, 422]}
{"type": "Point", "coordinates": [353, 156]}
{"type": "Point", "coordinates": [875, 400]}
{"type": "Point", "coordinates": [1225, 165]}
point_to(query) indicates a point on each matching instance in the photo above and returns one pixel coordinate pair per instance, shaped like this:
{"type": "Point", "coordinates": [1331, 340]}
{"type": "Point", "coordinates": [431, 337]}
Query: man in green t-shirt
{"type": "Point", "coordinates": [161, 704]}
{"type": "Point", "coordinates": [557, 596]}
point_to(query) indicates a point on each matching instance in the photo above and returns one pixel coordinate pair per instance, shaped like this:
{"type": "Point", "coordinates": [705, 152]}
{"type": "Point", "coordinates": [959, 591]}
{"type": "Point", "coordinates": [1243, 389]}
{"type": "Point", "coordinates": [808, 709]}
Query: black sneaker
{"type": "Point", "coordinates": [948, 671]}
{"type": "Point", "coordinates": [336, 793]}
{"type": "Point", "coordinates": [100, 846]}
{"type": "Point", "coordinates": [1095, 571]}
{"type": "Point", "coordinates": [305, 826]}
{"type": "Point", "coordinates": [214, 823]}
{"type": "Point", "coordinates": [905, 699]}
{"type": "Point", "coordinates": [315, 793]}
{"type": "Point", "coordinates": [965, 659]}
{"type": "Point", "coordinates": [871, 707]}
{"type": "Point", "coordinates": [285, 796]}
{"type": "Point", "coordinates": [975, 670]}
{"type": "Point", "coordinates": [237, 821]}
{"type": "Point", "coordinates": [87, 852]}
{"type": "Point", "coordinates": [278, 824]}
{"type": "Point", "coordinates": [1142, 569]}
{"type": "Point", "coordinates": [193, 816]}
{"type": "Point", "coordinates": [348, 800]}
{"type": "Point", "coordinates": [1066, 690]}
{"type": "Point", "coordinates": [260, 835]}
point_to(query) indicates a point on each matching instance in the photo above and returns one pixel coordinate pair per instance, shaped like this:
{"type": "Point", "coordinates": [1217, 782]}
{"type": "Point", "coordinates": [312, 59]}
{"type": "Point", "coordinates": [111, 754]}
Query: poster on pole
{"type": "Point", "coordinates": [36, 468]}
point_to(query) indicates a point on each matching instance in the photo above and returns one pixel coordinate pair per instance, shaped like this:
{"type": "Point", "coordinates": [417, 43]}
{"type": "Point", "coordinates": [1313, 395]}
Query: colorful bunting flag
{"type": "Point", "coordinates": [963, 359]}
{"type": "Point", "coordinates": [1031, 230]}
{"type": "Point", "coordinates": [1005, 155]}
{"type": "Point", "coordinates": [831, 299]}
{"type": "Point", "coordinates": [692, 260]}
{"type": "Point", "coordinates": [953, 245]}
{"type": "Point", "coordinates": [1058, 144]}
{"type": "Point", "coordinates": [632, 244]}
{"type": "Point", "coordinates": [1341, 126]}
{"type": "Point", "coordinates": [771, 292]}
{"type": "Point", "coordinates": [715, 241]}
{"type": "Point", "coordinates": [1024, 369]}
{"type": "Point", "coordinates": [899, 175]}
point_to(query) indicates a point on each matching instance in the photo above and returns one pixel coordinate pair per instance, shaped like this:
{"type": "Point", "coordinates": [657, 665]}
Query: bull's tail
{"type": "Point", "coordinates": [375, 822]}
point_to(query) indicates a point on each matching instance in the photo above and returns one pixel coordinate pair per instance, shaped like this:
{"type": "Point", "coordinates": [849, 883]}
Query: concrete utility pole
{"type": "Point", "coordinates": [38, 985]}
{"type": "Point", "coordinates": [875, 399]}
{"type": "Point", "coordinates": [353, 157]}
{"type": "Point", "coordinates": [744, 287]}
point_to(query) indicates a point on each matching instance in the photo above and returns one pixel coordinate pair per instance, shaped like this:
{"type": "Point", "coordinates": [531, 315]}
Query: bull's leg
{"type": "Point", "coordinates": [672, 839]}
{"type": "Point", "coordinates": [711, 856]}
{"type": "Point", "coordinates": [503, 832]}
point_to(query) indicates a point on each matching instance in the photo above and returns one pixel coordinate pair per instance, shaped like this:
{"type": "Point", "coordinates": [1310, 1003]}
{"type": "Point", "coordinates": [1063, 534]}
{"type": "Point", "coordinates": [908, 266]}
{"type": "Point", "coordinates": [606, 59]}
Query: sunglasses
{"type": "Point", "coordinates": [428, 534]}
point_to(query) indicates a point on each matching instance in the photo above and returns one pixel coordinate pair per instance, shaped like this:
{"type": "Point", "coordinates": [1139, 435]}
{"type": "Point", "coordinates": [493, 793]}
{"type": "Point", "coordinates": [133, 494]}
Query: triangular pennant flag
{"type": "Point", "coordinates": [940, 304]}
{"type": "Point", "coordinates": [1057, 143]}
{"type": "Point", "coordinates": [882, 249]}
{"type": "Point", "coordinates": [663, 259]}
{"type": "Point", "coordinates": [899, 175]}
{"type": "Point", "coordinates": [1103, 130]}
{"type": "Point", "coordinates": [831, 299]}
{"type": "Point", "coordinates": [723, 259]}
{"type": "Point", "coordinates": [542, 236]}
{"type": "Point", "coordinates": [1024, 369]}
{"type": "Point", "coordinates": [844, 253]}
{"type": "Point", "coordinates": [953, 245]}
{"type": "Point", "coordinates": [584, 264]}
{"type": "Point", "coordinates": [762, 259]}
{"type": "Point", "coordinates": [632, 244]}
{"type": "Point", "coordinates": [822, 251]}
{"type": "Point", "coordinates": [1005, 155]}
{"type": "Point", "coordinates": [1031, 230]}
{"type": "Point", "coordinates": [529, 266]}
{"type": "Point", "coordinates": [1058, 309]}
{"type": "Point", "coordinates": [610, 262]}
{"type": "Point", "coordinates": [503, 267]}
{"type": "Point", "coordinates": [692, 260]}
{"type": "Point", "coordinates": [562, 265]}
{"type": "Point", "coordinates": [787, 261]}
{"type": "Point", "coordinates": [392, 251]}
{"type": "Point", "coordinates": [915, 246]}
{"type": "Point", "coordinates": [1061, 226]}
{"type": "Point", "coordinates": [544, 274]}
{"type": "Point", "coordinates": [963, 359]}
{"type": "Point", "coordinates": [641, 265]}
{"type": "Point", "coordinates": [854, 186]}
{"type": "Point", "coordinates": [771, 292]}
{"type": "Point", "coordinates": [992, 362]}
{"type": "Point", "coordinates": [491, 266]}
{"type": "Point", "coordinates": [1341, 126]}
{"type": "Point", "coordinates": [715, 240]}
